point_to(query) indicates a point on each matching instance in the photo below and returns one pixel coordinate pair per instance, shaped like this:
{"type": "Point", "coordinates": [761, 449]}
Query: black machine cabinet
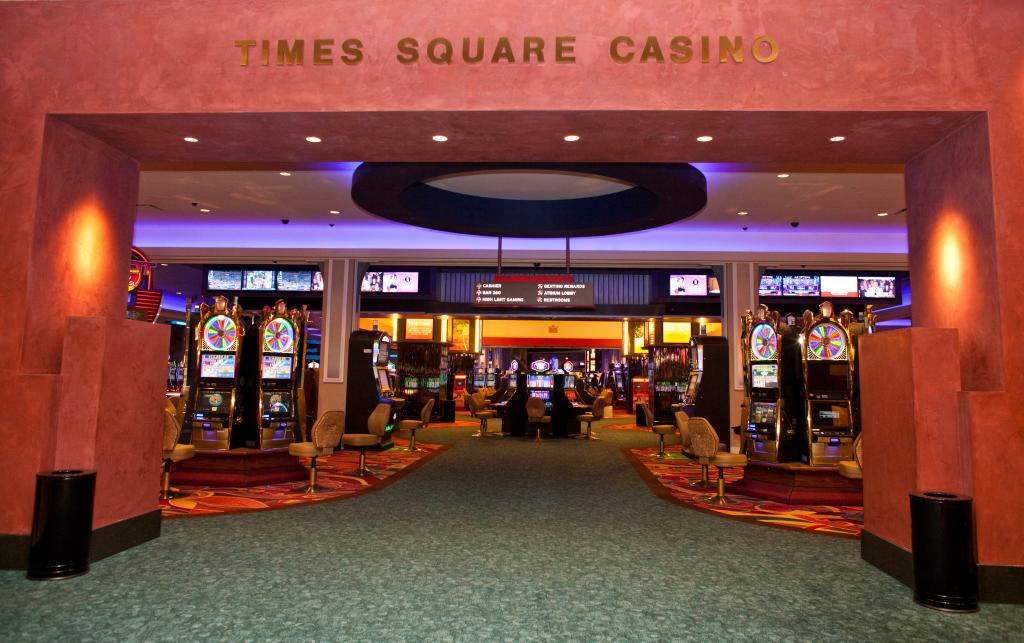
{"type": "Point", "coordinates": [369, 382]}
{"type": "Point", "coordinates": [707, 393]}
{"type": "Point", "coordinates": [513, 412]}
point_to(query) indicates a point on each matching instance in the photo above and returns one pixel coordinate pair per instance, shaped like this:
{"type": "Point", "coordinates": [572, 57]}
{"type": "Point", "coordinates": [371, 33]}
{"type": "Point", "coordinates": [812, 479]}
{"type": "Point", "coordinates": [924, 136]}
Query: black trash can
{"type": "Point", "coordinates": [942, 537]}
{"type": "Point", "coordinates": [61, 524]}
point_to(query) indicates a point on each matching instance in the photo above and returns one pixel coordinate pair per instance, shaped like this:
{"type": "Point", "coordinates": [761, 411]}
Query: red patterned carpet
{"type": "Point", "coordinates": [669, 478]}
{"type": "Point", "coordinates": [386, 466]}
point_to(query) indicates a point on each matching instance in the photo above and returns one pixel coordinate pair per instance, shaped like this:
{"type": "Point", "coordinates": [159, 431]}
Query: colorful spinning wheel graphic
{"type": "Point", "coordinates": [764, 342]}
{"type": "Point", "coordinates": [220, 333]}
{"type": "Point", "coordinates": [278, 336]}
{"type": "Point", "coordinates": [826, 341]}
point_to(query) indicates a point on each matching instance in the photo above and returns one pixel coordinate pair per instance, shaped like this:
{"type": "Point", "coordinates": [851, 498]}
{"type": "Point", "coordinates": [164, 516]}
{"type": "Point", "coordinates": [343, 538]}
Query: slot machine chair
{"type": "Point", "coordinates": [478, 410]}
{"type": "Point", "coordinates": [723, 461]}
{"type": "Point", "coordinates": [852, 468]}
{"type": "Point", "coordinates": [594, 414]}
{"type": "Point", "coordinates": [376, 425]}
{"type": "Point", "coordinates": [324, 438]}
{"type": "Point", "coordinates": [703, 446]}
{"type": "Point", "coordinates": [536, 415]}
{"type": "Point", "coordinates": [683, 426]}
{"type": "Point", "coordinates": [172, 452]}
{"type": "Point", "coordinates": [660, 429]}
{"type": "Point", "coordinates": [412, 425]}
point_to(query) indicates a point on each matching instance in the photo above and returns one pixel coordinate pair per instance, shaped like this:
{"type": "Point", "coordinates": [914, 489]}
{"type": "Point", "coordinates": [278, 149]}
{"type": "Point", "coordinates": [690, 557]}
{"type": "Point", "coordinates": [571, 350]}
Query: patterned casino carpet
{"type": "Point", "coordinates": [670, 477]}
{"type": "Point", "coordinates": [386, 466]}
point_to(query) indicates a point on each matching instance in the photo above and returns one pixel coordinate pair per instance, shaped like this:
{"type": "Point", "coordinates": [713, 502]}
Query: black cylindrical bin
{"type": "Point", "coordinates": [942, 537]}
{"type": "Point", "coordinates": [61, 524]}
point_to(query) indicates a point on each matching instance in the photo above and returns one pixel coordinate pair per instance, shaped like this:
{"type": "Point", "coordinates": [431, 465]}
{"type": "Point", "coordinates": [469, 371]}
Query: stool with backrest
{"type": "Point", "coordinates": [377, 425]}
{"type": "Point", "coordinates": [595, 413]}
{"type": "Point", "coordinates": [852, 468]}
{"type": "Point", "coordinates": [422, 423]}
{"type": "Point", "coordinates": [477, 405]}
{"type": "Point", "coordinates": [660, 429]}
{"type": "Point", "coordinates": [683, 426]}
{"type": "Point", "coordinates": [704, 447]}
{"type": "Point", "coordinates": [536, 415]}
{"type": "Point", "coordinates": [324, 438]}
{"type": "Point", "coordinates": [172, 452]}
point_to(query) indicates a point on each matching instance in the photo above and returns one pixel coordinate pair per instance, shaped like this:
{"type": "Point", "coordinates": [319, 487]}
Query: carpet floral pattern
{"type": "Point", "coordinates": [335, 474]}
{"type": "Point", "coordinates": [670, 478]}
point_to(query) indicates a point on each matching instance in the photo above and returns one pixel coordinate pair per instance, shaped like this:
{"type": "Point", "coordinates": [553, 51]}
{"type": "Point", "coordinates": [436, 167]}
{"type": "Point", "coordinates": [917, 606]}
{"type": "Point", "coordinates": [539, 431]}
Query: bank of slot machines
{"type": "Point", "coordinates": [212, 408]}
{"type": "Point", "coordinates": [280, 409]}
{"type": "Point", "coordinates": [540, 385]}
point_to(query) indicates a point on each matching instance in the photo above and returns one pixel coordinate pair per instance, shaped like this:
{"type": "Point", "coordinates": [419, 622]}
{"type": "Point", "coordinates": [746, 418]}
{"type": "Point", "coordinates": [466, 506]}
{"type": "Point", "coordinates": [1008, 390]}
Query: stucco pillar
{"type": "Point", "coordinates": [341, 316]}
{"type": "Point", "coordinates": [739, 295]}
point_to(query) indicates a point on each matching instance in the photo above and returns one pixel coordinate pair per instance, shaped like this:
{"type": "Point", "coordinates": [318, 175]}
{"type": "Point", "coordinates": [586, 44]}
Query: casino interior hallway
{"type": "Point", "coordinates": [494, 539]}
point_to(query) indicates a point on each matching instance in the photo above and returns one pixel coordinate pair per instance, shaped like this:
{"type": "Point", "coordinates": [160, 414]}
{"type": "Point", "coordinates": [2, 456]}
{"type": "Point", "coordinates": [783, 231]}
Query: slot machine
{"type": "Point", "coordinates": [707, 387]}
{"type": "Point", "coordinates": [828, 386]}
{"type": "Point", "coordinates": [639, 396]}
{"type": "Point", "coordinates": [370, 382]}
{"type": "Point", "coordinates": [211, 413]}
{"type": "Point", "coordinates": [280, 400]}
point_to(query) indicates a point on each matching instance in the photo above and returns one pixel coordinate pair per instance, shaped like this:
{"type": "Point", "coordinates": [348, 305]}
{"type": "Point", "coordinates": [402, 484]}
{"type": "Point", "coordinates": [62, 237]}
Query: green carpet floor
{"type": "Point", "coordinates": [495, 539]}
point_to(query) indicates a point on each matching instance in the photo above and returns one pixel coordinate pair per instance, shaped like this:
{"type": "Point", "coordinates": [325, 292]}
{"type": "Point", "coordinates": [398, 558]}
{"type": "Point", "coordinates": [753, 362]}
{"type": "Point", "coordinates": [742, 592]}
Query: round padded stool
{"type": "Point", "coordinates": [662, 430]}
{"type": "Point", "coordinates": [724, 461]}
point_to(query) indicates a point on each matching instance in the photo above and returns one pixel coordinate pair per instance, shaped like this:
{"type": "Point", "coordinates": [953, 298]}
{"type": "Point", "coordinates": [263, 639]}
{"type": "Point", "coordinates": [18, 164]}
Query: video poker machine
{"type": "Point", "coordinates": [828, 386]}
{"type": "Point", "coordinates": [370, 382]}
{"type": "Point", "coordinates": [281, 397]}
{"type": "Point", "coordinates": [212, 404]}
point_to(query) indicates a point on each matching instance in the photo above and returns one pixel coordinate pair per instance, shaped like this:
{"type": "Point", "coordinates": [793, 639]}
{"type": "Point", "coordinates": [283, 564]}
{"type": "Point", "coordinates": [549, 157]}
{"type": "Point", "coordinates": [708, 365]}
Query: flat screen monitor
{"type": "Point", "coordinates": [380, 353]}
{"type": "Point", "coordinates": [539, 381]}
{"type": "Point", "coordinates": [372, 282]}
{"type": "Point", "coordinates": [713, 287]}
{"type": "Point", "coordinates": [277, 367]}
{"type": "Point", "coordinates": [543, 394]}
{"type": "Point", "coordinates": [688, 285]}
{"type": "Point", "coordinates": [385, 382]}
{"type": "Point", "coordinates": [800, 286]}
{"type": "Point", "coordinates": [258, 280]}
{"type": "Point", "coordinates": [877, 287]}
{"type": "Point", "coordinates": [571, 394]}
{"type": "Point", "coordinates": [771, 286]}
{"type": "Point", "coordinates": [762, 413]}
{"type": "Point", "coordinates": [294, 280]}
{"type": "Point", "coordinates": [830, 416]}
{"type": "Point", "coordinates": [838, 286]}
{"type": "Point", "coordinates": [214, 366]}
{"type": "Point", "coordinates": [224, 280]}
{"type": "Point", "coordinates": [212, 401]}
{"type": "Point", "coordinates": [401, 282]}
{"type": "Point", "coordinates": [277, 403]}
{"type": "Point", "coordinates": [318, 281]}
{"type": "Point", "coordinates": [826, 378]}
{"type": "Point", "coordinates": [764, 375]}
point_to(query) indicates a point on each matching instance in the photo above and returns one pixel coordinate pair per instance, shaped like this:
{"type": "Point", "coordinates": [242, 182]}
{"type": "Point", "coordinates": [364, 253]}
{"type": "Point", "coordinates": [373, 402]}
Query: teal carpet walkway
{"type": "Point", "coordinates": [495, 539]}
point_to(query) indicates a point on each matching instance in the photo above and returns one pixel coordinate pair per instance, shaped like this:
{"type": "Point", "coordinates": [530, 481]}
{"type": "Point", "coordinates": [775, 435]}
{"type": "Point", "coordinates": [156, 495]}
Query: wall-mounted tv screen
{"type": "Point", "coordinates": [800, 286]}
{"type": "Point", "coordinates": [404, 282]}
{"type": "Point", "coordinates": [215, 366]}
{"type": "Point", "coordinates": [224, 280]}
{"type": "Point", "coordinates": [877, 287]}
{"type": "Point", "coordinates": [297, 281]}
{"type": "Point", "coordinates": [771, 286]}
{"type": "Point", "coordinates": [838, 286]}
{"type": "Point", "coordinates": [688, 285]}
{"type": "Point", "coordinates": [372, 282]}
{"type": "Point", "coordinates": [419, 329]}
{"type": "Point", "coordinates": [764, 375]}
{"type": "Point", "coordinates": [318, 281]}
{"type": "Point", "coordinates": [277, 367]}
{"type": "Point", "coordinates": [258, 280]}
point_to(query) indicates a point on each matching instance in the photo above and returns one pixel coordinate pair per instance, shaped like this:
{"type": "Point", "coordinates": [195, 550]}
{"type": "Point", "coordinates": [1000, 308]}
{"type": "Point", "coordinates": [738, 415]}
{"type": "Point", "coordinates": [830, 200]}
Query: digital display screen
{"type": "Point", "coordinates": [294, 281]}
{"type": "Point", "coordinates": [401, 282]}
{"type": "Point", "coordinates": [382, 377]}
{"type": "Point", "coordinates": [835, 416]}
{"type": "Point", "coordinates": [539, 381]}
{"type": "Point", "coordinates": [764, 375]}
{"type": "Point", "coordinates": [877, 287]}
{"type": "Point", "coordinates": [691, 386]}
{"type": "Point", "coordinates": [688, 285]}
{"type": "Point", "coordinates": [800, 286]}
{"type": "Point", "coordinates": [258, 280]}
{"type": "Point", "coordinates": [833, 286]}
{"type": "Point", "coordinates": [541, 393]}
{"type": "Point", "coordinates": [826, 378]}
{"type": "Point", "coordinates": [571, 394]}
{"type": "Point", "coordinates": [762, 413]}
{"type": "Point", "coordinates": [214, 366]}
{"type": "Point", "coordinates": [212, 401]}
{"type": "Point", "coordinates": [277, 367]}
{"type": "Point", "coordinates": [372, 282]}
{"type": "Point", "coordinates": [419, 329]}
{"type": "Point", "coordinates": [224, 280]}
{"type": "Point", "coordinates": [318, 281]}
{"type": "Point", "coordinates": [277, 402]}
{"type": "Point", "coordinates": [713, 287]}
{"type": "Point", "coordinates": [771, 286]}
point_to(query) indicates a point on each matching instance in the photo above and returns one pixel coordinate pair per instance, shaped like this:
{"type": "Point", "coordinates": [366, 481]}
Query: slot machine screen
{"type": "Point", "coordinates": [830, 416]}
{"type": "Point", "coordinates": [212, 401]}
{"type": "Point", "coordinates": [539, 381]}
{"type": "Point", "coordinates": [764, 375]}
{"type": "Point", "coordinates": [828, 379]}
{"type": "Point", "coordinates": [691, 386]}
{"type": "Point", "coordinates": [761, 413]}
{"type": "Point", "coordinates": [570, 382]}
{"type": "Point", "coordinates": [541, 393]}
{"type": "Point", "coordinates": [213, 366]}
{"type": "Point", "coordinates": [385, 383]}
{"type": "Point", "coordinates": [277, 367]}
{"type": "Point", "coordinates": [277, 403]}
{"type": "Point", "coordinates": [571, 394]}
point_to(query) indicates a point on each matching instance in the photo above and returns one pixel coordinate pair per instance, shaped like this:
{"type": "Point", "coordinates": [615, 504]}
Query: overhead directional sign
{"type": "Point", "coordinates": [527, 294]}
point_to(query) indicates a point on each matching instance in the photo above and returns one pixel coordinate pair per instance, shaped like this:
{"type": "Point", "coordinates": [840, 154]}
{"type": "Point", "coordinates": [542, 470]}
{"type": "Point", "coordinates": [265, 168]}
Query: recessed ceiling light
{"type": "Point", "coordinates": [782, 176]}
{"type": "Point", "coordinates": [705, 139]}
{"type": "Point", "coordinates": [285, 173]}
{"type": "Point", "coordinates": [571, 138]}
{"type": "Point", "coordinates": [837, 139]}
{"type": "Point", "coordinates": [440, 138]}
{"type": "Point", "coordinates": [883, 214]}
{"type": "Point", "coordinates": [335, 212]}
{"type": "Point", "coordinates": [191, 139]}
{"type": "Point", "coordinates": [177, 292]}
{"type": "Point", "coordinates": [313, 139]}
{"type": "Point", "coordinates": [163, 264]}
{"type": "Point", "coordinates": [204, 209]}
{"type": "Point", "coordinates": [743, 213]}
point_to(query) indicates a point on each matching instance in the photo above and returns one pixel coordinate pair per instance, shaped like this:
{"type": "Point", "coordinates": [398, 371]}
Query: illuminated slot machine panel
{"type": "Point", "coordinates": [212, 413]}
{"type": "Point", "coordinates": [279, 389]}
{"type": "Point", "coordinates": [828, 386]}
{"type": "Point", "coordinates": [764, 413]}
